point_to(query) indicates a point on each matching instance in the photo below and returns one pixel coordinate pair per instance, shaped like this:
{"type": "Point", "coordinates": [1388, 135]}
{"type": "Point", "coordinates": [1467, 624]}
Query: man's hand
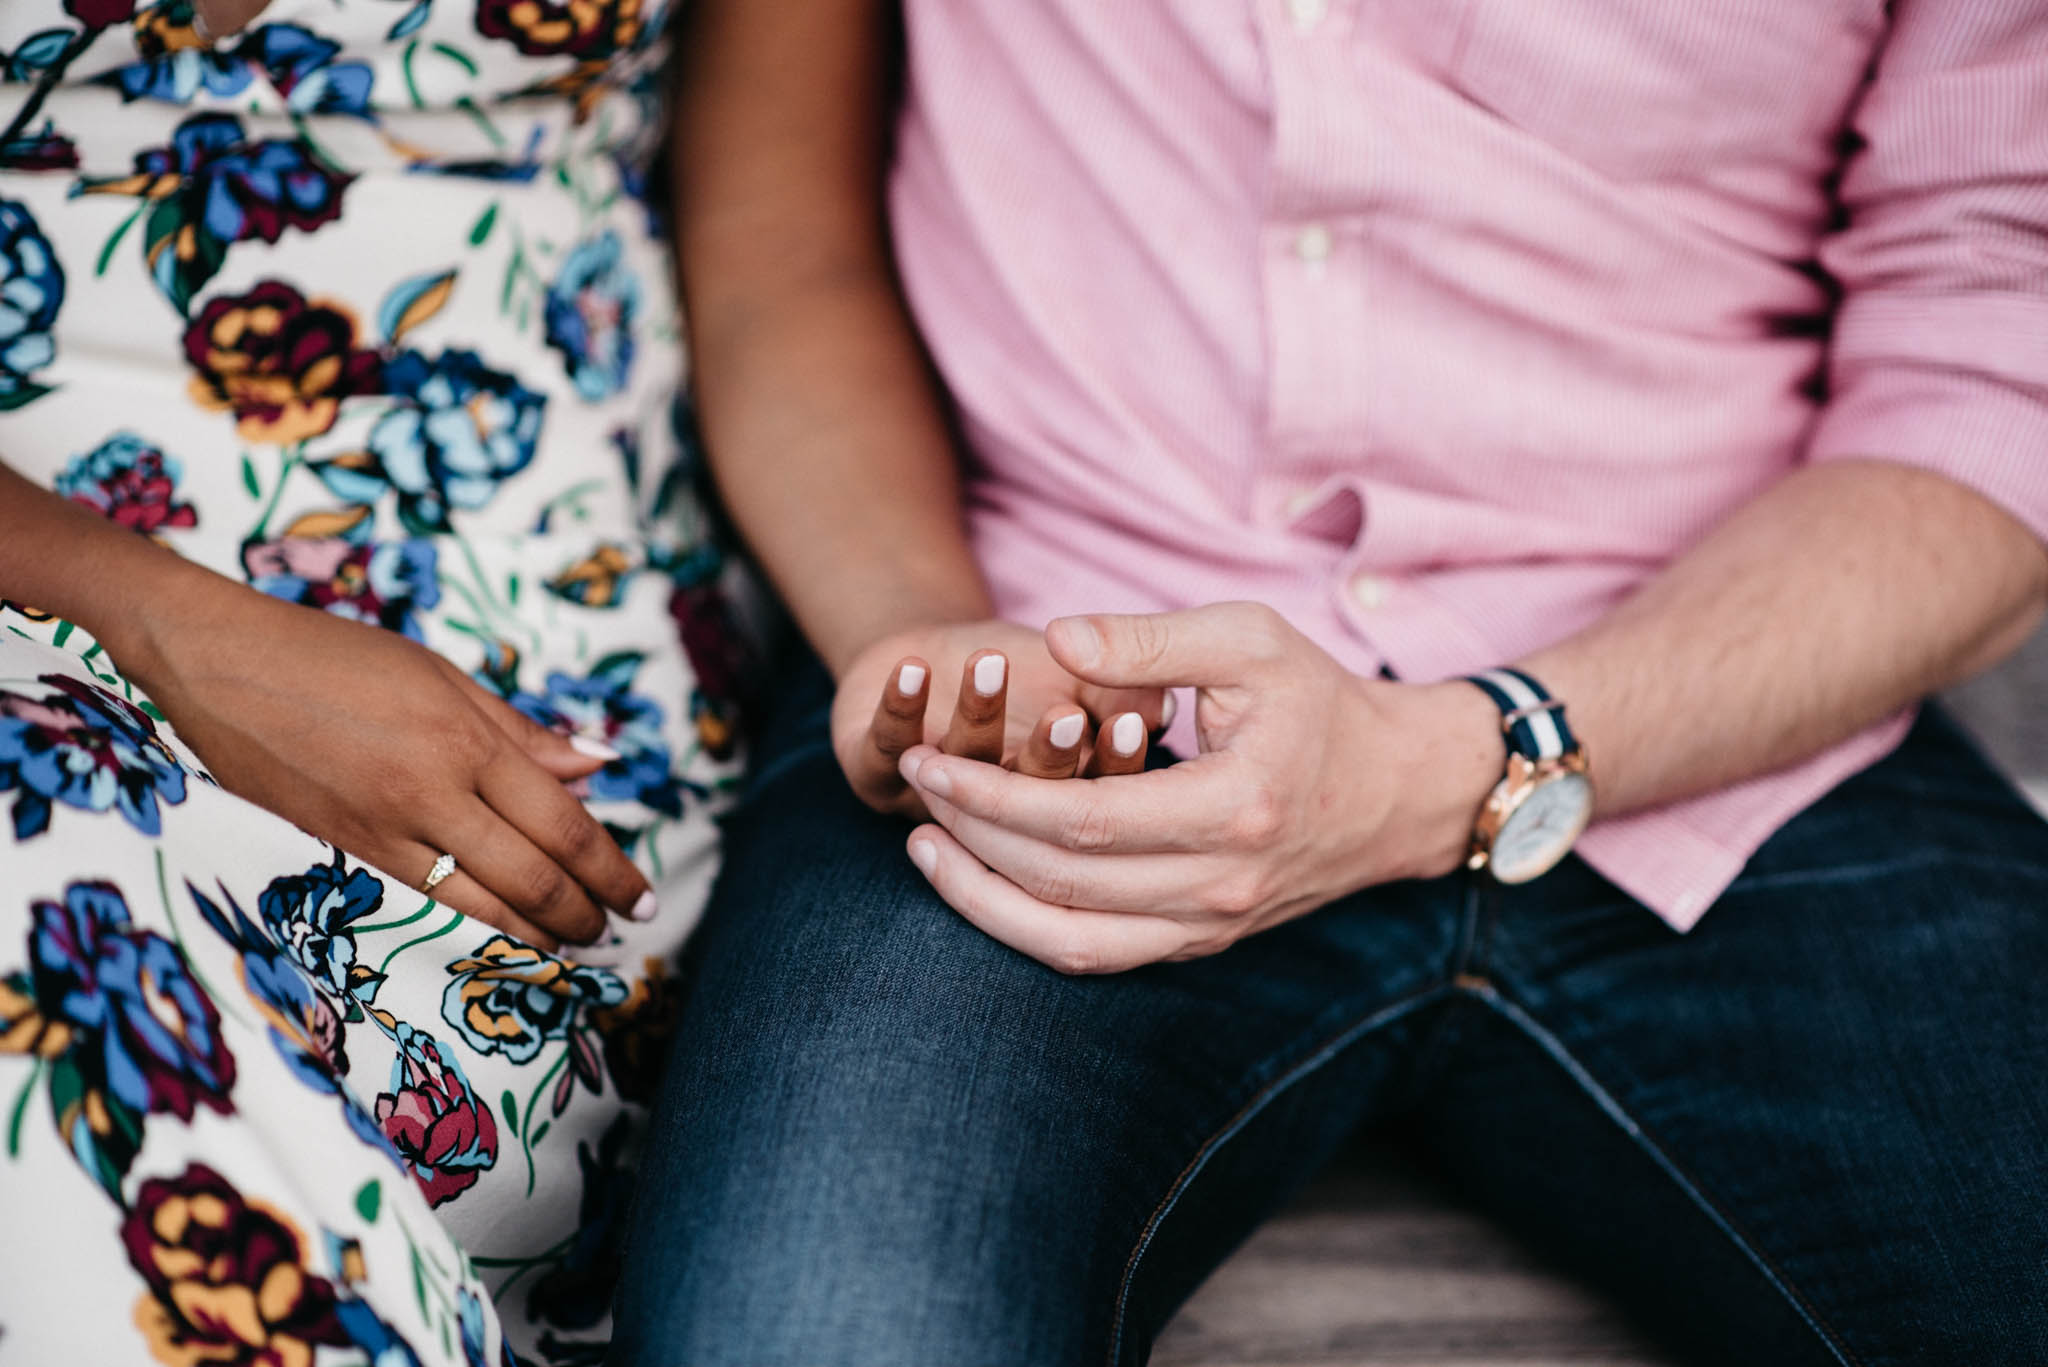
{"type": "Point", "coordinates": [1312, 783]}
{"type": "Point", "coordinates": [986, 691]}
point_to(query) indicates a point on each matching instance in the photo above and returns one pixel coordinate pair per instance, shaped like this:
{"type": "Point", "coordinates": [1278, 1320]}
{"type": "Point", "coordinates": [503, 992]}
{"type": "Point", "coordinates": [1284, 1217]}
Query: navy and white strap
{"type": "Point", "coordinates": [1532, 719]}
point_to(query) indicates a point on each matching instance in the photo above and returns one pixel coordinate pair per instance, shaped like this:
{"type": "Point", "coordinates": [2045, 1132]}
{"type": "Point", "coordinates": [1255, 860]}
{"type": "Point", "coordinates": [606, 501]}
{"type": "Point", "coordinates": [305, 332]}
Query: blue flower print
{"type": "Point", "coordinates": [128, 481]}
{"type": "Point", "coordinates": [176, 66]}
{"type": "Point", "coordinates": [591, 309]}
{"type": "Point", "coordinates": [458, 430]}
{"type": "Point", "coordinates": [154, 1036]}
{"type": "Point", "coordinates": [327, 561]}
{"type": "Point", "coordinates": [212, 183]}
{"type": "Point", "coordinates": [301, 65]}
{"type": "Point", "coordinates": [510, 998]}
{"type": "Point", "coordinates": [603, 707]}
{"type": "Point", "coordinates": [31, 292]}
{"type": "Point", "coordinates": [305, 1025]}
{"type": "Point", "coordinates": [310, 916]}
{"type": "Point", "coordinates": [85, 748]}
{"type": "Point", "coordinates": [370, 1332]}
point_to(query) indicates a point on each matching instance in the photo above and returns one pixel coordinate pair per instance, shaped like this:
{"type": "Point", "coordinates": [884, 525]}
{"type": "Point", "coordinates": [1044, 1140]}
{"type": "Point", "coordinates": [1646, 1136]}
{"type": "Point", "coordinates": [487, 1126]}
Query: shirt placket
{"type": "Point", "coordinates": [1316, 285]}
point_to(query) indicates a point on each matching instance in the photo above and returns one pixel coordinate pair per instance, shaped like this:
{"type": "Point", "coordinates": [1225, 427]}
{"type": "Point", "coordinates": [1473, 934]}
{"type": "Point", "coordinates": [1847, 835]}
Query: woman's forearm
{"type": "Point", "coordinates": [67, 560]}
{"type": "Point", "coordinates": [825, 428]}
{"type": "Point", "coordinates": [1845, 592]}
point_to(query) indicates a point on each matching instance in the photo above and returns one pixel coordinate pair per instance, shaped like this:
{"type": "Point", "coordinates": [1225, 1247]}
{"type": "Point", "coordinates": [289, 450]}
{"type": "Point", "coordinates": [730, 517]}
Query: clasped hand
{"type": "Point", "coordinates": [1310, 783]}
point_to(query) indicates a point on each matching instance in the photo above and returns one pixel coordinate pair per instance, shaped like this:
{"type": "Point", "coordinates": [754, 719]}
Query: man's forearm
{"type": "Point", "coordinates": [824, 425]}
{"type": "Point", "coordinates": [1845, 592]}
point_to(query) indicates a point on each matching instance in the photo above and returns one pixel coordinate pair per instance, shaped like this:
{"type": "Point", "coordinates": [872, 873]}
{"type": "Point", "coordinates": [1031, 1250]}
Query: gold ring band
{"type": "Point", "coordinates": [443, 866]}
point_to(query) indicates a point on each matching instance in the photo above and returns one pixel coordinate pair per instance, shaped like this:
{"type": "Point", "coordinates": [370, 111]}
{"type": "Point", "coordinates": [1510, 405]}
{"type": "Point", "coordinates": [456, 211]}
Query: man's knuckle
{"type": "Point", "coordinates": [1235, 894]}
{"type": "Point", "coordinates": [1149, 642]}
{"type": "Point", "coordinates": [1090, 828]}
{"type": "Point", "coordinates": [1055, 887]}
{"type": "Point", "coordinates": [1256, 821]}
{"type": "Point", "coordinates": [1075, 956]}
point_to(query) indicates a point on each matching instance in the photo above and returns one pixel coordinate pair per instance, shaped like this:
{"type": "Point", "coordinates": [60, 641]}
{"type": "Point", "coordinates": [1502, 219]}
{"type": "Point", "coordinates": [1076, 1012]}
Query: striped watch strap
{"type": "Point", "coordinates": [1533, 720]}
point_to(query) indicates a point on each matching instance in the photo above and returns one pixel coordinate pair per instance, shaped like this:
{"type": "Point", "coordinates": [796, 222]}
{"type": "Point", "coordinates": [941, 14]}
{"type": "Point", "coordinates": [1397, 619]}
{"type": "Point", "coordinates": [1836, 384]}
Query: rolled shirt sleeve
{"type": "Point", "coordinates": [1939, 356]}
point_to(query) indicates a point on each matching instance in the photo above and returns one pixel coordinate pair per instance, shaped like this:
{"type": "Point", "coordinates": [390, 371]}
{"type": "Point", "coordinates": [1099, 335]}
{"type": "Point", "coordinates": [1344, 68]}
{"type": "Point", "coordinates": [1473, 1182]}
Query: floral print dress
{"type": "Point", "coordinates": [363, 308]}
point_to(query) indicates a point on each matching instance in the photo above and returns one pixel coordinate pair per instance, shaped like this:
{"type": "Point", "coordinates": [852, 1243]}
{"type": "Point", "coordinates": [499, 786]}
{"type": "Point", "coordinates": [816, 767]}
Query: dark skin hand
{"type": "Point", "coordinates": [351, 732]}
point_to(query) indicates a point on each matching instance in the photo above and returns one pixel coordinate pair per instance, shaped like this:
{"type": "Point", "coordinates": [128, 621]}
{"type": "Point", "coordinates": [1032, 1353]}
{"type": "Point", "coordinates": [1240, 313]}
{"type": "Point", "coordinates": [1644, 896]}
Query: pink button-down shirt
{"type": "Point", "coordinates": [1441, 325]}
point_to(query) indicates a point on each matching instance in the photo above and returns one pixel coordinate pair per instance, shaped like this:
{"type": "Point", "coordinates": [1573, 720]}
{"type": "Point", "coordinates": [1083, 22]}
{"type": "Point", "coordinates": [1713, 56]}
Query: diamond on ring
{"type": "Point", "coordinates": [443, 866]}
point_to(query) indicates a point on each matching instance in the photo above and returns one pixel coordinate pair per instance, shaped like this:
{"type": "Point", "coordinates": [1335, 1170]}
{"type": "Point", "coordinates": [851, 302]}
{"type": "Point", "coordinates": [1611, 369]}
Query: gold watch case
{"type": "Point", "coordinates": [1522, 781]}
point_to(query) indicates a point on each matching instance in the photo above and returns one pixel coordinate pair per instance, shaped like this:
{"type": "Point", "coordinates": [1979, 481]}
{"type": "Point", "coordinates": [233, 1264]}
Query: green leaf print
{"type": "Point", "coordinates": [370, 1200]}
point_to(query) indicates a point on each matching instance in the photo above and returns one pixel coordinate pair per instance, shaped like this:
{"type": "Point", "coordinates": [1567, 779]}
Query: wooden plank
{"type": "Point", "coordinates": [1372, 1268]}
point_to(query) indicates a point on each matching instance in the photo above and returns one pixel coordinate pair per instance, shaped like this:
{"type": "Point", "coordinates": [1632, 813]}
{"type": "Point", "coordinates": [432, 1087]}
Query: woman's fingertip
{"type": "Point", "coordinates": [924, 854]}
{"type": "Point", "coordinates": [988, 674]}
{"type": "Point", "coordinates": [909, 679]}
{"type": "Point", "coordinates": [1127, 733]}
{"type": "Point", "coordinates": [1168, 710]}
{"type": "Point", "coordinates": [644, 907]}
{"type": "Point", "coordinates": [912, 761]}
{"type": "Point", "coordinates": [1065, 733]}
{"type": "Point", "coordinates": [595, 749]}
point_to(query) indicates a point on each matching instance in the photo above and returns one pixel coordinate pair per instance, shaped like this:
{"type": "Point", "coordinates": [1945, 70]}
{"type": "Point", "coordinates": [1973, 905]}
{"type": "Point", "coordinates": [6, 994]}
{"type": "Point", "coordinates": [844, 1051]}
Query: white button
{"type": "Point", "coordinates": [1370, 591]}
{"type": "Point", "coordinates": [1312, 244]}
{"type": "Point", "coordinates": [1307, 13]}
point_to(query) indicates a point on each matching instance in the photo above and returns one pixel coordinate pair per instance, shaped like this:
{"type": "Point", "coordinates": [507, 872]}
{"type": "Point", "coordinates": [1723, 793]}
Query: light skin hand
{"type": "Point", "coordinates": [1269, 821]}
{"type": "Point", "coordinates": [988, 691]}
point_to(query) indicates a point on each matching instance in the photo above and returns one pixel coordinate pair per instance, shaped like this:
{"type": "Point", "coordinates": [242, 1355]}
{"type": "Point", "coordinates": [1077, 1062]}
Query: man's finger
{"type": "Point", "coordinates": [1189, 888]}
{"type": "Point", "coordinates": [547, 814]}
{"type": "Point", "coordinates": [1191, 808]}
{"type": "Point", "coordinates": [977, 728]}
{"type": "Point", "coordinates": [1055, 747]}
{"type": "Point", "coordinates": [897, 726]}
{"type": "Point", "coordinates": [1062, 938]}
{"type": "Point", "coordinates": [1214, 646]}
{"type": "Point", "coordinates": [1120, 747]}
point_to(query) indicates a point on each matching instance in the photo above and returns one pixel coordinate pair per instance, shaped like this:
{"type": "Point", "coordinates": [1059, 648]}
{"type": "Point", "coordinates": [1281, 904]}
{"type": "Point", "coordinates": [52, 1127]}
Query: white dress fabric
{"type": "Point", "coordinates": [363, 308]}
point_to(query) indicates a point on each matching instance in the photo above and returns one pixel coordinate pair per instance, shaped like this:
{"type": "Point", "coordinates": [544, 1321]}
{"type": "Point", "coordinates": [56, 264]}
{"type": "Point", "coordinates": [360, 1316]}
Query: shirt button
{"type": "Point", "coordinates": [1312, 244]}
{"type": "Point", "coordinates": [1307, 13]}
{"type": "Point", "coordinates": [1370, 591]}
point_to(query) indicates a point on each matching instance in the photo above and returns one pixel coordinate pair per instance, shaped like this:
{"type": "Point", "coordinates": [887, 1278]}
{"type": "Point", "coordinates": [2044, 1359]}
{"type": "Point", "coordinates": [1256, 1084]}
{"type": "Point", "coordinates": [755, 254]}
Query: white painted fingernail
{"type": "Point", "coordinates": [645, 907]}
{"type": "Point", "coordinates": [596, 749]}
{"type": "Point", "coordinates": [925, 855]}
{"type": "Point", "coordinates": [1127, 733]}
{"type": "Point", "coordinates": [1168, 710]}
{"type": "Point", "coordinates": [988, 675]}
{"type": "Point", "coordinates": [1066, 732]}
{"type": "Point", "coordinates": [909, 679]}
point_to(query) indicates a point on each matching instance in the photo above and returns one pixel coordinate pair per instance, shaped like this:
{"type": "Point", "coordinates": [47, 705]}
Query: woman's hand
{"type": "Point", "coordinates": [1311, 783]}
{"type": "Point", "coordinates": [997, 695]}
{"type": "Point", "coordinates": [370, 741]}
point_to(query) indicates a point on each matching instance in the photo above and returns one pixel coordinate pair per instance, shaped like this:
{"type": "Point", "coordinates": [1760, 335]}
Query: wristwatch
{"type": "Point", "coordinates": [1532, 816]}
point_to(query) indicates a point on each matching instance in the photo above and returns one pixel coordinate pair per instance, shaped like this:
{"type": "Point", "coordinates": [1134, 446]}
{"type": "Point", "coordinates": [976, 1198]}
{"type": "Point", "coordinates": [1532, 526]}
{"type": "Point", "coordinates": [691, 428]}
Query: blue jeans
{"type": "Point", "coordinates": [1815, 1130]}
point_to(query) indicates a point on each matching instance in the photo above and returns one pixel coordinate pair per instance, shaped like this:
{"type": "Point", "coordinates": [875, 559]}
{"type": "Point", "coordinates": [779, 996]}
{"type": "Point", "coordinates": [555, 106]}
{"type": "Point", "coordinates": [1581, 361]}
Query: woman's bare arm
{"type": "Point", "coordinates": [825, 428]}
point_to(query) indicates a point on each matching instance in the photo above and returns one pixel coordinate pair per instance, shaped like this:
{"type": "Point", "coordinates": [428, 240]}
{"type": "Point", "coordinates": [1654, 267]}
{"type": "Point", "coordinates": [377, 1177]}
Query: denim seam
{"type": "Point", "coordinates": [1639, 1134]}
{"type": "Point", "coordinates": [1335, 1045]}
{"type": "Point", "coordinates": [1796, 878]}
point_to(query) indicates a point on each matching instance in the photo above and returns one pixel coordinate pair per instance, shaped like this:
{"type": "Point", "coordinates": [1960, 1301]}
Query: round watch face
{"type": "Point", "coordinates": [1541, 831]}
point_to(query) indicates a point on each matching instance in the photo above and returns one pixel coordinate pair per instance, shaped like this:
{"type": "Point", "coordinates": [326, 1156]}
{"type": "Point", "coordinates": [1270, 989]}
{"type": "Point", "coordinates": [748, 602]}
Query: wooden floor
{"type": "Point", "coordinates": [1373, 1268]}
